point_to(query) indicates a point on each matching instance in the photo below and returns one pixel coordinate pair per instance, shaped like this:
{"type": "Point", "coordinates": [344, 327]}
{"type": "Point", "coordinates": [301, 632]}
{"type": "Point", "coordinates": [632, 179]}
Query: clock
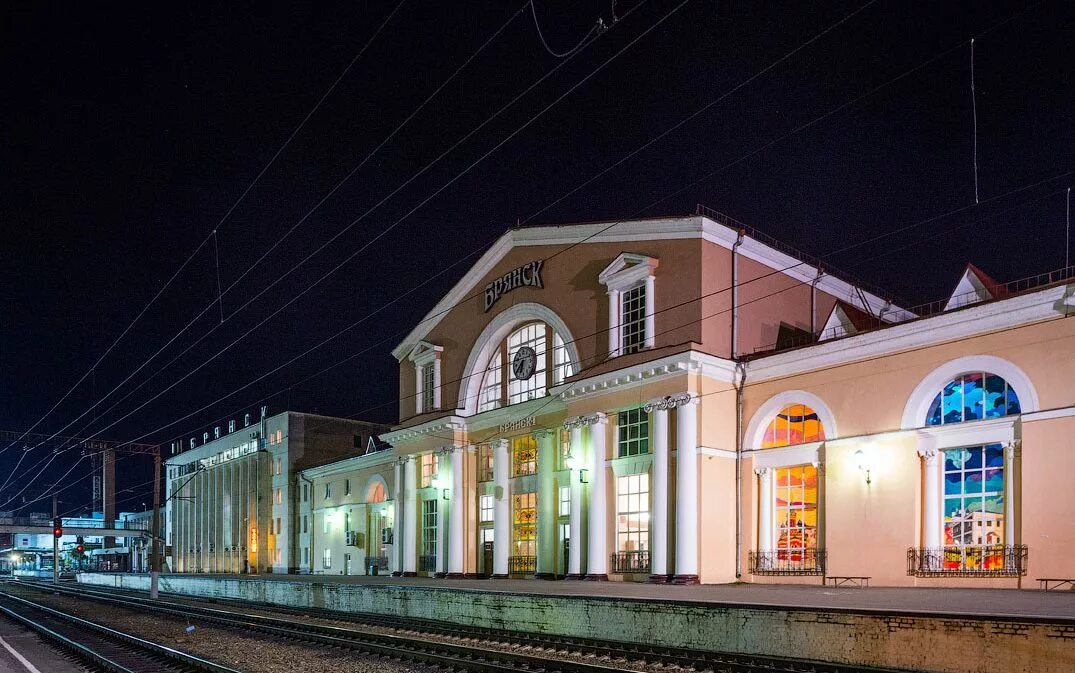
{"type": "Point", "coordinates": [524, 363]}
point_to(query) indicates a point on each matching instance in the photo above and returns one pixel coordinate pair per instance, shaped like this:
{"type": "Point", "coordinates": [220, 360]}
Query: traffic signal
{"type": "Point", "coordinates": [80, 548]}
{"type": "Point", "coordinates": [57, 528]}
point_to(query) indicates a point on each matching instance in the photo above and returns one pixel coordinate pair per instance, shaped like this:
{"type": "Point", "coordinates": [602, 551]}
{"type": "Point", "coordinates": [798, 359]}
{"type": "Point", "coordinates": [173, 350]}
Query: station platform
{"type": "Point", "coordinates": [1016, 603]}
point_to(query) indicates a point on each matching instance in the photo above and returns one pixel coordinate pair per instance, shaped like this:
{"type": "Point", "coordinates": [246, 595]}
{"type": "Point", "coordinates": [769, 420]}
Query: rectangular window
{"type": "Point", "coordinates": [427, 387]}
{"type": "Point", "coordinates": [306, 555]}
{"type": "Point", "coordinates": [279, 466]}
{"type": "Point", "coordinates": [485, 462]}
{"type": "Point", "coordinates": [524, 524]}
{"type": "Point", "coordinates": [278, 497]}
{"type": "Point", "coordinates": [632, 433]}
{"type": "Point", "coordinates": [429, 470]}
{"type": "Point", "coordinates": [347, 522]}
{"type": "Point", "coordinates": [796, 513]}
{"type": "Point", "coordinates": [485, 508]}
{"type": "Point", "coordinates": [305, 521]}
{"type": "Point", "coordinates": [523, 456]}
{"type": "Point", "coordinates": [279, 526]}
{"type": "Point", "coordinates": [347, 487]}
{"type": "Point", "coordinates": [562, 367]}
{"type": "Point", "coordinates": [632, 513]}
{"type": "Point", "coordinates": [633, 319]}
{"type": "Point", "coordinates": [429, 528]}
{"type": "Point", "coordinates": [521, 390]}
{"type": "Point", "coordinates": [326, 559]}
{"type": "Point", "coordinates": [565, 449]}
{"type": "Point", "coordinates": [974, 508]}
{"type": "Point", "coordinates": [565, 501]}
{"type": "Point", "coordinates": [328, 491]}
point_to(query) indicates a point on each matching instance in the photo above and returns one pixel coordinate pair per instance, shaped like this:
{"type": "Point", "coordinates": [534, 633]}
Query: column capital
{"type": "Point", "coordinates": [659, 404]}
{"type": "Point", "coordinates": [573, 423]}
{"type": "Point", "coordinates": [542, 433]}
{"type": "Point", "coordinates": [402, 460]}
{"type": "Point", "coordinates": [761, 471]}
{"type": "Point", "coordinates": [683, 399]}
{"type": "Point", "coordinates": [1013, 449]}
{"type": "Point", "coordinates": [598, 418]}
{"type": "Point", "coordinates": [929, 454]}
{"type": "Point", "coordinates": [499, 443]}
{"type": "Point", "coordinates": [448, 449]}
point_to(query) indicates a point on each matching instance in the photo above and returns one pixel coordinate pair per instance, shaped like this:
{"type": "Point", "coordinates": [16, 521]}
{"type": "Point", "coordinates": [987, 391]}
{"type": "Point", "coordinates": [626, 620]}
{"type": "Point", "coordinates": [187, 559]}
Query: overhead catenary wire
{"type": "Point", "coordinates": [205, 240]}
{"type": "Point", "coordinates": [280, 240]}
{"type": "Point", "coordinates": [974, 108]}
{"type": "Point", "coordinates": [598, 26]}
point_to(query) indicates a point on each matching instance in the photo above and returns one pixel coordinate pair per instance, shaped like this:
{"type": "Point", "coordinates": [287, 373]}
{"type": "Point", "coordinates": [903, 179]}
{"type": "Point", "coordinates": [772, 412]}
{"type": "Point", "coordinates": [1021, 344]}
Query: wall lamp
{"type": "Point", "coordinates": [584, 476]}
{"type": "Point", "coordinates": [863, 464]}
{"type": "Point", "coordinates": [446, 493]}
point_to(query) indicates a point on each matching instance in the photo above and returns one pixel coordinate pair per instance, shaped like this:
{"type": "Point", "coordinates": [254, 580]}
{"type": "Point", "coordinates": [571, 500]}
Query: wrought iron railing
{"type": "Point", "coordinates": [522, 564]}
{"type": "Point", "coordinates": [788, 562]}
{"type": "Point", "coordinates": [427, 563]}
{"type": "Point", "coordinates": [969, 561]}
{"type": "Point", "coordinates": [629, 561]}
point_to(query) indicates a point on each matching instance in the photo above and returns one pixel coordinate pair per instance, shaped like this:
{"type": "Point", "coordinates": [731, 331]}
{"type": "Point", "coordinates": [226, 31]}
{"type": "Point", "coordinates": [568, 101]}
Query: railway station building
{"type": "Point", "coordinates": [682, 400]}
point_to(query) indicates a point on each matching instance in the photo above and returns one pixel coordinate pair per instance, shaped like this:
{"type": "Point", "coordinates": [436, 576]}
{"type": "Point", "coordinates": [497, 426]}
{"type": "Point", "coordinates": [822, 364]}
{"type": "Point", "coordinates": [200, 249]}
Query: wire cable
{"type": "Point", "coordinates": [598, 27]}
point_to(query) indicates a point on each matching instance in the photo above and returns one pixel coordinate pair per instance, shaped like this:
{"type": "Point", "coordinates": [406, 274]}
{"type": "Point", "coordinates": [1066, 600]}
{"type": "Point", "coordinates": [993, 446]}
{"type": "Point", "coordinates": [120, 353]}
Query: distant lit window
{"type": "Point", "coordinates": [429, 527]}
{"type": "Point", "coordinates": [278, 497]}
{"type": "Point", "coordinates": [326, 559]}
{"type": "Point", "coordinates": [376, 493]}
{"type": "Point", "coordinates": [492, 395]}
{"type": "Point", "coordinates": [632, 513]}
{"type": "Point", "coordinates": [562, 366]}
{"type": "Point", "coordinates": [795, 424]}
{"type": "Point", "coordinates": [565, 501]}
{"type": "Point", "coordinates": [485, 508]}
{"type": "Point", "coordinates": [429, 470]}
{"type": "Point", "coordinates": [522, 389]}
{"type": "Point", "coordinates": [485, 462]}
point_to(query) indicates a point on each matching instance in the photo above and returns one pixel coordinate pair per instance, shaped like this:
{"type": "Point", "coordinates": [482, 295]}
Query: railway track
{"type": "Point", "coordinates": [101, 647]}
{"type": "Point", "coordinates": [550, 649]}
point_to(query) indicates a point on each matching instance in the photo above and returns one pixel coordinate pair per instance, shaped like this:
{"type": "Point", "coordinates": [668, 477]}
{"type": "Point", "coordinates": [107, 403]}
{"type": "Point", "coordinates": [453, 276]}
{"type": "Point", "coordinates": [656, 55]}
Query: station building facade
{"type": "Point", "coordinates": [677, 400]}
{"type": "Point", "coordinates": [232, 496]}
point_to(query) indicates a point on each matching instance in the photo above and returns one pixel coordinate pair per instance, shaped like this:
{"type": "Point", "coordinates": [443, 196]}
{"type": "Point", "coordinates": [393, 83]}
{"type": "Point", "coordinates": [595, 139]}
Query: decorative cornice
{"type": "Point", "coordinates": [659, 404]}
{"type": "Point", "coordinates": [642, 373]}
{"type": "Point", "coordinates": [415, 432]}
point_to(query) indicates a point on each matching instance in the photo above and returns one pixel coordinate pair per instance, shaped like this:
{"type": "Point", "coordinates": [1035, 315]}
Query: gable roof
{"type": "Point", "coordinates": [845, 320]}
{"type": "Point", "coordinates": [974, 286]}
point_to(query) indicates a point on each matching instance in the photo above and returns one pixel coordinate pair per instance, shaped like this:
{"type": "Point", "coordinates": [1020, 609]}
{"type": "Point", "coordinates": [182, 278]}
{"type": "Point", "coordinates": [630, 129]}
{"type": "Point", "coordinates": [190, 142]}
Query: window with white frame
{"type": "Point", "coordinates": [630, 282]}
{"type": "Point", "coordinates": [427, 388]}
{"type": "Point", "coordinates": [485, 508]}
{"type": "Point", "coordinates": [426, 360]}
{"type": "Point", "coordinates": [522, 389]}
{"type": "Point", "coordinates": [485, 462]}
{"type": "Point", "coordinates": [492, 393]}
{"type": "Point", "coordinates": [511, 377]}
{"type": "Point", "coordinates": [632, 513]}
{"type": "Point", "coordinates": [429, 464]}
{"type": "Point", "coordinates": [561, 360]}
{"type": "Point", "coordinates": [565, 501]}
{"type": "Point", "coordinates": [632, 432]}
{"type": "Point", "coordinates": [429, 527]}
{"type": "Point", "coordinates": [974, 508]}
{"type": "Point", "coordinates": [795, 507]}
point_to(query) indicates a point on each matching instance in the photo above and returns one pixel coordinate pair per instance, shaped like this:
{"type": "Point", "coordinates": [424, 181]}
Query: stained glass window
{"type": "Point", "coordinates": [523, 455]}
{"type": "Point", "coordinates": [973, 397]}
{"type": "Point", "coordinates": [974, 508]}
{"type": "Point", "coordinates": [632, 432]}
{"type": "Point", "coordinates": [795, 424]}
{"type": "Point", "coordinates": [524, 524]}
{"type": "Point", "coordinates": [632, 513]}
{"type": "Point", "coordinates": [796, 512]}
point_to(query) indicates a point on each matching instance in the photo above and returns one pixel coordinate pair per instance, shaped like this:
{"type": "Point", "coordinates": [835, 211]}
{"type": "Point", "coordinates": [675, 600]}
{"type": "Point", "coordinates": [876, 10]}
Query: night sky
{"type": "Point", "coordinates": [129, 130]}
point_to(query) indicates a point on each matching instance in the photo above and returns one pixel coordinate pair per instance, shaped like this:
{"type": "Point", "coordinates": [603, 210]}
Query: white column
{"type": "Point", "coordinates": [410, 517]}
{"type": "Point", "coordinates": [765, 515]}
{"type": "Point", "coordinates": [931, 524]}
{"type": "Point", "coordinates": [574, 562]}
{"type": "Point", "coordinates": [397, 520]}
{"type": "Point", "coordinates": [686, 490]}
{"type": "Point", "coordinates": [417, 388]}
{"type": "Point", "coordinates": [613, 323]}
{"type": "Point", "coordinates": [1009, 494]}
{"type": "Point", "coordinates": [658, 557]}
{"type": "Point", "coordinates": [650, 312]}
{"type": "Point", "coordinates": [455, 523]}
{"type": "Point", "coordinates": [596, 555]}
{"type": "Point", "coordinates": [501, 508]}
{"type": "Point", "coordinates": [546, 504]}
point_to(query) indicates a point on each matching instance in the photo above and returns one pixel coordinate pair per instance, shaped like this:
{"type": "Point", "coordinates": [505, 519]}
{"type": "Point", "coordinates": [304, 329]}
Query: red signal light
{"type": "Point", "coordinates": [57, 528]}
{"type": "Point", "coordinates": [80, 548]}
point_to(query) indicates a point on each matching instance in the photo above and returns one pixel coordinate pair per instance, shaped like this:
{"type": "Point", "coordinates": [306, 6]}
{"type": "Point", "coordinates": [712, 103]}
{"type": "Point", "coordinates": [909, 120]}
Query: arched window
{"type": "Point", "coordinates": [511, 377]}
{"type": "Point", "coordinates": [376, 493]}
{"type": "Point", "coordinates": [973, 397]}
{"type": "Point", "coordinates": [794, 424]}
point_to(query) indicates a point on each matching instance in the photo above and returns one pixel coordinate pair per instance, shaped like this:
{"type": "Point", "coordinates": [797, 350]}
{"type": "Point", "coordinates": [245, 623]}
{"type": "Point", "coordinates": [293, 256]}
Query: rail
{"type": "Point", "coordinates": [629, 561]}
{"type": "Point", "coordinates": [518, 565]}
{"type": "Point", "coordinates": [788, 562]}
{"type": "Point", "coordinates": [969, 561]}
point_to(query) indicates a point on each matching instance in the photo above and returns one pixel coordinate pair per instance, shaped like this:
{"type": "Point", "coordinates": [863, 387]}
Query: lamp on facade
{"type": "Point", "coordinates": [863, 464]}
{"type": "Point", "coordinates": [584, 476]}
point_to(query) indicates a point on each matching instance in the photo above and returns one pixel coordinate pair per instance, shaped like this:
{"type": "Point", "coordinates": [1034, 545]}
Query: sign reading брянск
{"type": "Point", "coordinates": [528, 274]}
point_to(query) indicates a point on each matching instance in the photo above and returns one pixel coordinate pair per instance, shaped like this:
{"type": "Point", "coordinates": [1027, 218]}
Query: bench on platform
{"type": "Point", "coordinates": [1049, 583]}
{"type": "Point", "coordinates": [848, 580]}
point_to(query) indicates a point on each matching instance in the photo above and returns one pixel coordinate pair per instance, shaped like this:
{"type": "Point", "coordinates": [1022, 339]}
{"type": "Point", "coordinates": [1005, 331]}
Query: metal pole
{"type": "Point", "coordinates": [55, 547]}
{"type": "Point", "coordinates": [154, 560]}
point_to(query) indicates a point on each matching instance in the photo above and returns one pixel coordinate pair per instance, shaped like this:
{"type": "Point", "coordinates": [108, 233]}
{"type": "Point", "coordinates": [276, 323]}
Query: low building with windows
{"type": "Point", "coordinates": [684, 400]}
{"type": "Point", "coordinates": [232, 496]}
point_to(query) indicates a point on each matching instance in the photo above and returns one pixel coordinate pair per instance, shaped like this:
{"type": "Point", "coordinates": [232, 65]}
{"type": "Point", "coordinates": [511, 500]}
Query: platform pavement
{"type": "Point", "coordinates": [18, 642]}
{"type": "Point", "coordinates": [1019, 603]}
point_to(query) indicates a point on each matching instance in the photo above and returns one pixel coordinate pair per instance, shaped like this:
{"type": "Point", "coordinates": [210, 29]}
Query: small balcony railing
{"type": "Point", "coordinates": [788, 562]}
{"type": "Point", "coordinates": [427, 563]}
{"type": "Point", "coordinates": [969, 561]}
{"type": "Point", "coordinates": [629, 561]}
{"type": "Point", "coordinates": [522, 564]}
{"type": "Point", "coordinates": [379, 562]}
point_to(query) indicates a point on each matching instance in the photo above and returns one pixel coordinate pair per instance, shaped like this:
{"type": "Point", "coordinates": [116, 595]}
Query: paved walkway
{"type": "Point", "coordinates": [22, 651]}
{"type": "Point", "coordinates": [980, 602]}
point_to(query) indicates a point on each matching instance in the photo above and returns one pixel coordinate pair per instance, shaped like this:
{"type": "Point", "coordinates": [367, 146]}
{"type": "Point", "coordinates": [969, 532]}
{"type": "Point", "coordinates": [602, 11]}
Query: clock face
{"type": "Point", "coordinates": [524, 363]}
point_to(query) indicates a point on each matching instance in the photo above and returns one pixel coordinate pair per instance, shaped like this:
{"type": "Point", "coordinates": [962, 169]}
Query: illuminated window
{"type": "Point", "coordinates": [973, 397]}
{"type": "Point", "coordinates": [529, 336]}
{"type": "Point", "coordinates": [632, 432]}
{"type": "Point", "coordinates": [427, 387]}
{"type": "Point", "coordinates": [523, 456]}
{"type": "Point", "coordinates": [347, 522]}
{"type": "Point", "coordinates": [485, 462]}
{"type": "Point", "coordinates": [277, 497]}
{"type": "Point", "coordinates": [796, 513]}
{"type": "Point", "coordinates": [326, 559]}
{"type": "Point", "coordinates": [795, 424]}
{"type": "Point", "coordinates": [562, 366]}
{"type": "Point", "coordinates": [429, 527]}
{"type": "Point", "coordinates": [632, 513]}
{"type": "Point", "coordinates": [492, 393]}
{"type": "Point", "coordinates": [633, 319]}
{"type": "Point", "coordinates": [565, 448]}
{"type": "Point", "coordinates": [376, 493]}
{"type": "Point", "coordinates": [524, 524]}
{"type": "Point", "coordinates": [565, 501]}
{"type": "Point", "coordinates": [485, 508]}
{"type": "Point", "coordinates": [974, 508]}
{"type": "Point", "coordinates": [429, 470]}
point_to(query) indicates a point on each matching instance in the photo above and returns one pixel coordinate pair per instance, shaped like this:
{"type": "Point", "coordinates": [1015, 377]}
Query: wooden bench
{"type": "Point", "coordinates": [848, 580]}
{"type": "Point", "coordinates": [1049, 583]}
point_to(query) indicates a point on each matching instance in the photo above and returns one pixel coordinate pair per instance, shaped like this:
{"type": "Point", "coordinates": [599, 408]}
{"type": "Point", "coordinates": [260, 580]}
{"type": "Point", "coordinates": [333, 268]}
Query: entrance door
{"type": "Point", "coordinates": [487, 559]}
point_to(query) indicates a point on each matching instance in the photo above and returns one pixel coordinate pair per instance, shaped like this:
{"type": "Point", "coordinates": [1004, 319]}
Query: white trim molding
{"type": "Point", "coordinates": [786, 456]}
{"type": "Point", "coordinates": [755, 432]}
{"type": "Point", "coordinates": [401, 436]}
{"type": "Point", "coordinates": [917, 407]}
{"type": "Point", "coordinates": [670, 366]}
{"type": "Point", "coordinates": [425, 355]}
{"type": "Point", "coordinates": [627, 272]}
